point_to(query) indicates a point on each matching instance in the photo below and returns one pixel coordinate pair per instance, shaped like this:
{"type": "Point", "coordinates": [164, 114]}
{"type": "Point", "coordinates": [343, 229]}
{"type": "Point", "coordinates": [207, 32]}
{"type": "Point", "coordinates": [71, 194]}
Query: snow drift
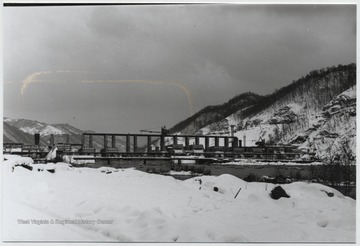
{"type": "Point", "coordinates": [127, 205]}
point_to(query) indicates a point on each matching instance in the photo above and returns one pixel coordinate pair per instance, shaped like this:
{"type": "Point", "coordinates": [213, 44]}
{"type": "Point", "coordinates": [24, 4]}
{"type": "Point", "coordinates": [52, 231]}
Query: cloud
{"type": "Point", "coordinates": [212, 52]}
{"type": "Point", "coordinates": [110, 22]}
{"type": "Point", "coordinates": [151, 82]}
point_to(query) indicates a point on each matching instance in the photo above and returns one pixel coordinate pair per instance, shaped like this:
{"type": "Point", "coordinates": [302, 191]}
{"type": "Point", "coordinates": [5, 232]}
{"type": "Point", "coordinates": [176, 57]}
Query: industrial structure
{"type": "Point", "coordinates": [159, 146]}
{"type": "Point", "coordinates": [133, 147]}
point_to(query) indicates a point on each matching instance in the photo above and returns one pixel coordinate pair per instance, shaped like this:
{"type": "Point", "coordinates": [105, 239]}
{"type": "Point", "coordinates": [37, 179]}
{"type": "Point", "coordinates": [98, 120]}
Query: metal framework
{"type": "Point", "coordinates": [228, 141]}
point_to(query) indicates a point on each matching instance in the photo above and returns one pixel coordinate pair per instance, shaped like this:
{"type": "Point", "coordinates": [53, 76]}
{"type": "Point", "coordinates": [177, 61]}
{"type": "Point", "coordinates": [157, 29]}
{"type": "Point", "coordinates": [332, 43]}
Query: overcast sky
{"type": "Point", "coordinates": [126, 68]}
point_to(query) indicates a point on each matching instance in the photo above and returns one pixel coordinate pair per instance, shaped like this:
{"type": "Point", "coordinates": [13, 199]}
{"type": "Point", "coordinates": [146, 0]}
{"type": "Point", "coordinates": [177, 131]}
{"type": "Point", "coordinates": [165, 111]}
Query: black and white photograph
{"type": "Point", "coordinates": [179, 122]}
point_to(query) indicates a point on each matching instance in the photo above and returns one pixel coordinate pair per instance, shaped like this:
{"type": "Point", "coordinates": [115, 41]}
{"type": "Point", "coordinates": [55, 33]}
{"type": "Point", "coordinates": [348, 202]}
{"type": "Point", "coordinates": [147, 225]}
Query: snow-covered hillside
{"type": "Point", "coordinates": [23, 130]}
{"type": "Point", "coordinates": [322, 132]}
{"type": "Point", "coordinates": [316, 113]}
{"type": "Point", "coordinates": [58, 202]}
{"type": "Point", "coordinates": [12, 134]}
{"type": "Point", "coordinates": [45, 129]}
{"type": "Point", "coordinates": [333, 128]}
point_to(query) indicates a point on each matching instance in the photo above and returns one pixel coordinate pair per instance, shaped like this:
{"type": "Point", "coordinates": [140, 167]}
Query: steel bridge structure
{"type": "Point", "coordinates": [132, 146]}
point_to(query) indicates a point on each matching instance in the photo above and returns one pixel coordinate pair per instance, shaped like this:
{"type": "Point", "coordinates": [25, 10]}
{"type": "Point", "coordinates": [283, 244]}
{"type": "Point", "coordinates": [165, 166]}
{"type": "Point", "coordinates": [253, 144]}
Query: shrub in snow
{"type": "Point", "coordinates": [250, 177]}
{"type": "Point", "coordinates": [207, 172]}
{"type": "Point", "coordinates": [278, 192]}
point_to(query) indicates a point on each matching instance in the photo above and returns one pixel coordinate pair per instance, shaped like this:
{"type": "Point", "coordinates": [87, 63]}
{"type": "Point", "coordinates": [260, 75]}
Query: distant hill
{"type": "Point", "coordinates": [316, 112]}
{"type": "Point", "coordinates": [45, 129]}
{"type": "Point", "coordinates": [12, 134]}
{"type": "Point", "coordinates": [23, 130]}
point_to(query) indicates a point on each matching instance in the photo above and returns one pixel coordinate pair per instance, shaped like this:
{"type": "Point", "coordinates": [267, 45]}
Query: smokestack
{"type": "Point", "coordinates": [37, 138]}
{"type": "Point", "coordinates": [52, 142]}
{"type": "Point", "coordinates": [235, 142]}
{"type": "Point", "coordinates": [67, 138]}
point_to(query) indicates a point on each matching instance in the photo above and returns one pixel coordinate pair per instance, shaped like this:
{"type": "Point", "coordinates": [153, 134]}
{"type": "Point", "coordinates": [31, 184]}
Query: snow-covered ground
{"type": "Point", "coordinates": [246, 162]}
{"type": "Point", "coordinates": [127, 205]}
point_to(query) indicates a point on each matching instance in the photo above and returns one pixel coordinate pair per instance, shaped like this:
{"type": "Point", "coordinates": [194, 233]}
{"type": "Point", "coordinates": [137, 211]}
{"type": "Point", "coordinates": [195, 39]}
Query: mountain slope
{"type": "Point", "coordinates": [11, 134]}
{"type": "Point", "coordinates": [214, 113]}
{"type": "Point", "coordinates": [34, 126]}
{"type": "Point", "coordinates": [334, 127]}
{"type": "Point", "coordinates": [308, 109]}
{"type": "Point", "coordinates": [23, 130]}
{"type": "Point", "coordinates": [327, 83]}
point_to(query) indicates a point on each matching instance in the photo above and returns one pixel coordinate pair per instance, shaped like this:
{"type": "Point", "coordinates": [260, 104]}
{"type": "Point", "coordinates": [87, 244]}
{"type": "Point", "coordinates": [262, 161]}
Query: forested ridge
{"type": "Point", "coordinates": [317, 86]}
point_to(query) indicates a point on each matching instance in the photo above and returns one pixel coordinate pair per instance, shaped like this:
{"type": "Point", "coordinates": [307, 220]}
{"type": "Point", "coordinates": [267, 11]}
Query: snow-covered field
{"type": "Point", "coordinates": [127, 205]}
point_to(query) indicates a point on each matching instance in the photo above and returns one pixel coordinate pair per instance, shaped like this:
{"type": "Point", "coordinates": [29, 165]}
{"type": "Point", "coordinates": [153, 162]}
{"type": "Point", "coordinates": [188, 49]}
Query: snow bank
{"type": "Point", "coordinates": [12, 161]}
{"type": "Point", "coordinates": [16, 163]}
{"type": "Point", "coordinates": [10, 157]}
{"type": "Point", "coordinates": [127, 205]}
{"type": "Point", "coordinates": [254, 162]}
{"type": "Point", "coordinates": [179, 172]}
{"type": "Point", "coordinates": [70, 159]}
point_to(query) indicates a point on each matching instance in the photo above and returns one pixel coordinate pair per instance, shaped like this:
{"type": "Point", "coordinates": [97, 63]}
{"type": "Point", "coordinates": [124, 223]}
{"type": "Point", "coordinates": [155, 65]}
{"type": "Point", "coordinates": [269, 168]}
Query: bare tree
{"type": "Point", "coordinates": [340, 167]}
{"type": "Point", "coordinates": [347, 161]}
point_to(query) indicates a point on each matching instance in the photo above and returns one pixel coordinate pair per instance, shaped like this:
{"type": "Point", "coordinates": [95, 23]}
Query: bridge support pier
{"type": "Point", "coordinates": [113, 141]}
{"type": "Point", "coordinates": [135, 144]}
{"type": "Point", "coordinates": [105, 142]}
{"type": "Point", "coordinates": [197, 140]}
{"type": "Point", "coordinates": [148, 144]}
{"type": "Point", "coordinates": [90, 141]}
{"type": "Point", "coordinates": [226, 142]}
{"type": "Point", "coordinates": [127, 143]}
{"type": "Point", "coordinates": [206, 142]}
{"type": "Point", "coordinates": [175, 140]}
{"type": "Point", "coordinates": [186, 142]}
{"type": "Point", "coordinates": [216, 141]}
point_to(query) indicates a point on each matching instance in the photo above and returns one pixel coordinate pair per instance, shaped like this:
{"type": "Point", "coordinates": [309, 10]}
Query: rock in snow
{"type": "Point", "coordinates": [127, 205]}
{"type": "Point", "coordinates": [278, 192]}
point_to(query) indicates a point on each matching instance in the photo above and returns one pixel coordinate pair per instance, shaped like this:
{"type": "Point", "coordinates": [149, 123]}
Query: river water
{"type": "Point", "coordinates": [298, 171]}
